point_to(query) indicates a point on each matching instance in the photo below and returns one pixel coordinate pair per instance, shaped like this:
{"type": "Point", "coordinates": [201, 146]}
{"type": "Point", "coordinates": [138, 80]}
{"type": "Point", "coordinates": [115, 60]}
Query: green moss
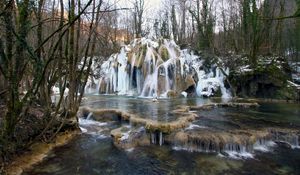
{"type": "Point", "coordinates": [124, 129]}
{"type": "Point", "coordinates": [218, 93]}
{"type": "Point", "coordinates": [144, 50]}
{"type": "Point", "coordinates": [164, 54]}
{"type": "Point", "coordinates": [265, 81]}
{"type": "Point", "coordinates": [287, 93]}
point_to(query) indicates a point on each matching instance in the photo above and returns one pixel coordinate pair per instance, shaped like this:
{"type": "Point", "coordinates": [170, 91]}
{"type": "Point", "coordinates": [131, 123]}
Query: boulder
{"type": "Point", "coordinates": [163, 52]}
{"type": "Point", "coordinates": [189, 81]}
{"type": "Point", "coordinates": [184, 83]}
{"type": "Point", "coordinates": [172, 94]}
{"type": "Point", "coordinates": [127, 138]}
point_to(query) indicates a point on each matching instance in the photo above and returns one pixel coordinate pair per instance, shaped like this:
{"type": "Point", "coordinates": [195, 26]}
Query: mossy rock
{"type": "Point", "coordinates": [287, 93]}
{"type": "Point", "coordinates": [263, 82]}
{"type": "Point", "coordinates": [140, 60]}
{"type": "Point", "coordinates": [218, 93]}
{"type": "Point", "coordinates": [172, 94]}
{"type": "Point", "coordinates": [144, 50]}
{"type": "Point", "coordinates": [164, 53]}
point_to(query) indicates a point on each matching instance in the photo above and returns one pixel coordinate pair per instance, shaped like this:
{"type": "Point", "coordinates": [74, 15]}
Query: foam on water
{"type": "Point", "coordinates": [239, 155]}
{"type": "Point", "coordinates": [93, 127]}
{"type": "Point", "coordinates": [193, 126]}
{"type": "Point", "coordinates": [264, 147]}
{"type": "Point", "coordinates": [85, 122]}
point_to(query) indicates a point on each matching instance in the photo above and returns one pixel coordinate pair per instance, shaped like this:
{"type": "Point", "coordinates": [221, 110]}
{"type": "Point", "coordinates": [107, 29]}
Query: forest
{"type": "Point", "coordinates": [50, 51]}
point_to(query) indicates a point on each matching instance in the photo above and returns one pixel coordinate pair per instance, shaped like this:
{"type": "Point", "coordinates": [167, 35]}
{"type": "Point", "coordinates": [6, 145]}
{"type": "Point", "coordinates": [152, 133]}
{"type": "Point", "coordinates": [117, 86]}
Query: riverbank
{"type": "Point", "coordinates": [37, 152]}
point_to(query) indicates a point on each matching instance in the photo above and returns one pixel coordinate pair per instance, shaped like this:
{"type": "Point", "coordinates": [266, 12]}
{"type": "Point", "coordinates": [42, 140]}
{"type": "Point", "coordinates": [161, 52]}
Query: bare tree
{"type": "Point", "coordinates": [183, 9]}
{"type": "Point", "coordinates": [174, 23]}
{"type": "Point", "coordinates": [203, 14]}
{"type": "Point", "coordinates": [139, 7]}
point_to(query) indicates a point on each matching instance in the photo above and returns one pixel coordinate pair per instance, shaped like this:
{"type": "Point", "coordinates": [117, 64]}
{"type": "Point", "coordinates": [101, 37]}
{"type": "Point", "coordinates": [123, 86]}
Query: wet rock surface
{"type": "Point", "coordinates": [194, 130]}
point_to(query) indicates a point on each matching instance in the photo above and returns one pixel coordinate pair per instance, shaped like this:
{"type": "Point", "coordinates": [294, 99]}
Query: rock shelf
{"type": "Point", "coordinates": [145, 131]}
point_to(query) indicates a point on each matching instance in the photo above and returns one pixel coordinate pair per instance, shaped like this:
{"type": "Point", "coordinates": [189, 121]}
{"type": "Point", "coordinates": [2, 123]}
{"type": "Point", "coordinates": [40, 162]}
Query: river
{"type": "Point", "coordinates": [94, 151]}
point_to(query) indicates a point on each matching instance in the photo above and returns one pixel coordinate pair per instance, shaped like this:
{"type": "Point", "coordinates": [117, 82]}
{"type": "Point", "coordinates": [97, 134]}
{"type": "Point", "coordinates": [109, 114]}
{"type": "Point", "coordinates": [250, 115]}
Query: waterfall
{"type": "Point", "coordinates": [138, 81]}
{"type": "Point", "coordinates": [150, 86]}
{"type": "Point", "coordinates": [167, 86]}
{"type": "Point", "coordinates": [148, 68]}
{"type": "Point", "coordinates": [288, 138]}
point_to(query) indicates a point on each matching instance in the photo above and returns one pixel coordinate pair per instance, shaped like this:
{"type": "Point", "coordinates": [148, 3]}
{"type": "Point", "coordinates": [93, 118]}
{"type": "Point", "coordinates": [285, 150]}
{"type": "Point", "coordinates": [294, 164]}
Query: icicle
{"type": "Point", "coordinates": [160, 138]}
{"type": "Point", "coordinates": [152, 137]}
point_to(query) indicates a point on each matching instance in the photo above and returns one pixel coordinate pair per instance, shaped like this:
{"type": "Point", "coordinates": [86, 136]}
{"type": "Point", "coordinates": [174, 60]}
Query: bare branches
{"type": "Point", "coordinates": [69, 24]}
{"type": "Point", "coordinates": [110, 10]}
{"type": "Point", "coordinates": [282, 18]}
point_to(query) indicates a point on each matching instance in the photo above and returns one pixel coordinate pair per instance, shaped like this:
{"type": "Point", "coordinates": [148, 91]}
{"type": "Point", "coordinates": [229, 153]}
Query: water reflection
{"type": "Point", "coordinates": [145, 108]}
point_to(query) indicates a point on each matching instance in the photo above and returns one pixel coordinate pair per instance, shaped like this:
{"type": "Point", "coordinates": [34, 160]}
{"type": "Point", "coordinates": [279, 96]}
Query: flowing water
{"type": "Point", "coordinates": [94, 151]}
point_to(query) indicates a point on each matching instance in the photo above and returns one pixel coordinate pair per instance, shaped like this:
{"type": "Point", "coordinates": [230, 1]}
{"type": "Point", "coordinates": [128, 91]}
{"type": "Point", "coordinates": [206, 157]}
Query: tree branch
{"type": "Point", "coordinates": [67, 24]}
{"type": "Point", "coordinates": [108, 11]}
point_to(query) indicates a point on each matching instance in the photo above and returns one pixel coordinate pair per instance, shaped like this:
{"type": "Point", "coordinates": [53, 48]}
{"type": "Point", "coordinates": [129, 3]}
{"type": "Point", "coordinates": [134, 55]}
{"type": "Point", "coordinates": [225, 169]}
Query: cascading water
{"type": "Point", "coordinates": [158, 69]}
{"type": "Point", "coordinates": [157, 138]}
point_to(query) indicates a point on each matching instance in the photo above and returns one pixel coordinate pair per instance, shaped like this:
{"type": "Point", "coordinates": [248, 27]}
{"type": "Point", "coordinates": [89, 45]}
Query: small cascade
{"type": "Point", "coordinates": [291, 139]}
{"type": "Point", "coordinates": [213, 147]}
{"type": "Point", "coordinates": [89, 117]}
{"type": "Point", "coordinates": [263, 145]}
{"type": "Point", "coordinates": [167, 86]}
{"type": "Point", "coordinates": [139, 81]}
{"type": "Point", "coordinates": [157, 138]}
{"type": "Point", "coordinates": [153, 68]}
{"type": "Point", "coordinates": [235, 145]}
{"type": "Point", "coordinates": [239, 148]}
{"type": "Point", "coordinates": [209, 84]}
{"type": "Point", "coordinates": [93, 127]}
{"type": "Point", "coordinates": [150, 86]}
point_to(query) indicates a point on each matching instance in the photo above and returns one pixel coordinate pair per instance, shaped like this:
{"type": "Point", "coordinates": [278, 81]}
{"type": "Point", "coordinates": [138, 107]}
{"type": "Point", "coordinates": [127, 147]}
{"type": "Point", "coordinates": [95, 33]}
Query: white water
{"type": "Point", "coordinates": [263, 145]}
{"type": "Point", "coordinates": [93, 127]}
{"type": "Point", "coordinates": [238, 151]}
{"type": "Point", "coordinates": [241, 153]}
{"type": "Point", "coordinates": [193, 126]}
